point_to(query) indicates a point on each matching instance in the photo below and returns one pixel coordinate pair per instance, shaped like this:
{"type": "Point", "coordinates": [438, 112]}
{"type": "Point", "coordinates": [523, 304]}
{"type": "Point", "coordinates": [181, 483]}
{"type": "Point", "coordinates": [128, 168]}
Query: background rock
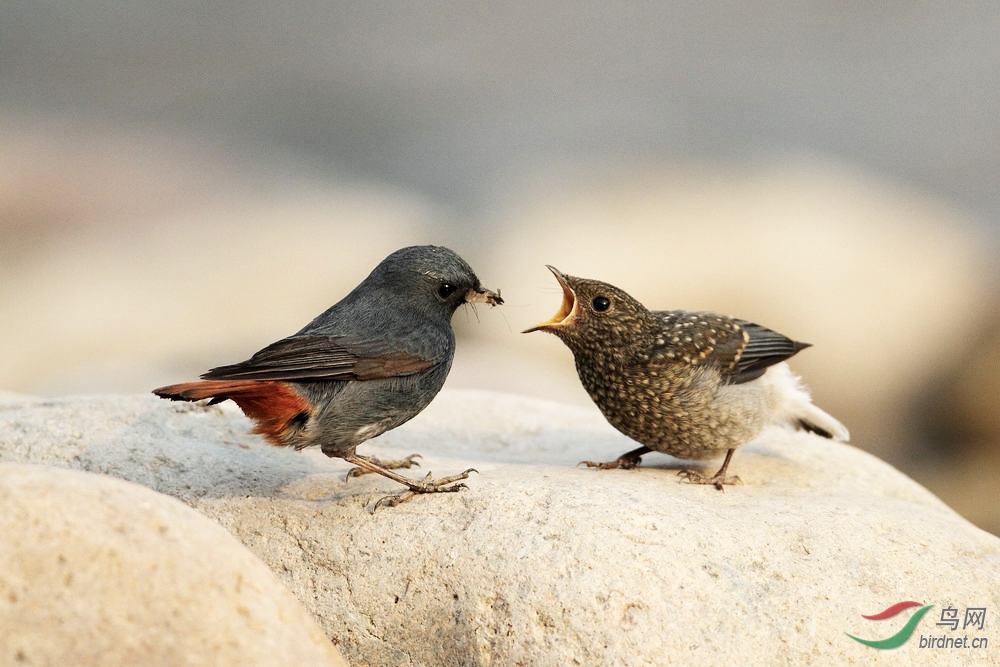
{"type": "Point", "coordinates": [542, 563]}
{"type": "Point", "coordinates": [96, 571]}
{"type": "Point", "coordinates": [181, 186]}
{"type": "Point", "coordinates": [128, 261]}
{"type": "Point", "coordinates": [99, 225]}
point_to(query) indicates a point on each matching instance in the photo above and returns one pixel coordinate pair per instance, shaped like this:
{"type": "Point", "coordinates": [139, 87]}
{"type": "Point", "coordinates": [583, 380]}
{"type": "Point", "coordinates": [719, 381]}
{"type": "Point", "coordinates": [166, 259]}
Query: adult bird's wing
{"type": "Point", "coordinates": [310, 358]}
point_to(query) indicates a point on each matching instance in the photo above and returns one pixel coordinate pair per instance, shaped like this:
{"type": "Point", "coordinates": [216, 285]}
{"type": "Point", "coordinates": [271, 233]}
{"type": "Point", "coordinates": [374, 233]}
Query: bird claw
{"type": "Point", "coordinates": [623, 462]}
{"type": "Point", "coordinates": [717, 480]}
{"type": "Point", "coordinates": [426, 485]}
{"type": "Point", "coordinates": [395, 464]}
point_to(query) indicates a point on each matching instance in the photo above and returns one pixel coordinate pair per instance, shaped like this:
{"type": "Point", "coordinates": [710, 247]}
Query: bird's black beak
{"type": "Point", "coordinates": [483, 295]}
{"type": "Point", "coordinates": [567, 311]}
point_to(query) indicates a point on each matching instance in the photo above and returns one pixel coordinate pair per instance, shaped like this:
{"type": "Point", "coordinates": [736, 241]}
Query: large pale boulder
{"type": "Point", "coordinates": [96, 571]}
{"type": "Point", "coordinates": [542, 563]}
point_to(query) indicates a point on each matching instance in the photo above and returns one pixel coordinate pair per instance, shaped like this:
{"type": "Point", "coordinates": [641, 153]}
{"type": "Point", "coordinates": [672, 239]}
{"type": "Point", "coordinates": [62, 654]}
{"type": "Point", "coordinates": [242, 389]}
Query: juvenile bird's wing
{"type": "Point", "coordinates": [751, 349]}
{"type": "Point", "coordinates": [740, 349]}
{"type": "Point", "coordinates": [312, 357]}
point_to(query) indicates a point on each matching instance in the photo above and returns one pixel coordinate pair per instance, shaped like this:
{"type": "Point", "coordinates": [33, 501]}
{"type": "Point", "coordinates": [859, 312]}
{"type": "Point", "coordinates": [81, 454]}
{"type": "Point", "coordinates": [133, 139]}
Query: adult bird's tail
{"type": "Point", "coordinates": [275, 407]}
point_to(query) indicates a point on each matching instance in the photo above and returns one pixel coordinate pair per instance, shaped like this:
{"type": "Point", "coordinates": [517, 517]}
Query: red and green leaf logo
{"type": "Point", "coordinates": [905, 632]}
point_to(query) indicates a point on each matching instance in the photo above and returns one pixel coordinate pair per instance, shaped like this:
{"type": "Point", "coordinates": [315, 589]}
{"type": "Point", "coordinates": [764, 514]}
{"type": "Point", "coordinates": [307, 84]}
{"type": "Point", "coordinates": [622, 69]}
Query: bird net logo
{"type": "Point", "coordinates": [951, 635]}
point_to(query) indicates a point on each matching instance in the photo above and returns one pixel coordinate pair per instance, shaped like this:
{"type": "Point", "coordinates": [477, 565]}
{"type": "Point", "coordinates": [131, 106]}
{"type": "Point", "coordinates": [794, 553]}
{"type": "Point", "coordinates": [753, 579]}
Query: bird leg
{"type": "Point", "coordinates": [626, 461]}
{"type": "Point", "coordinates": [716, 480]}
{"type": "Point", "coordinates": [394, 464]}
{"type": "Point", "coordinates": [414, 487]}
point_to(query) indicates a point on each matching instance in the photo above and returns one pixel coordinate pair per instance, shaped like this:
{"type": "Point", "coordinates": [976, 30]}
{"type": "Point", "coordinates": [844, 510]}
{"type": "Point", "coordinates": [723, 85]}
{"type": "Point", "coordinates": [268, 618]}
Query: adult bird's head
{"type": "Point", "coordinates": [430, 279]}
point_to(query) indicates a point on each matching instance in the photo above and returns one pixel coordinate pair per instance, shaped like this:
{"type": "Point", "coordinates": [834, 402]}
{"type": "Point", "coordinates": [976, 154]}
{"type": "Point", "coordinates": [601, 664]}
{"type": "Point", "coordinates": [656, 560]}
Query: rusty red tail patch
{"type": "Point", "coordinates": [274, 406]}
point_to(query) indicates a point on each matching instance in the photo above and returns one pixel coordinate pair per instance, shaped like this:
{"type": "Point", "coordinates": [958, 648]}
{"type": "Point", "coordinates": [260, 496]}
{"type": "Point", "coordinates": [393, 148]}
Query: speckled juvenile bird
{"type": "Point", "coordinates": [368, 364]}
{"type": "Point", "coordinates": [689, 384]}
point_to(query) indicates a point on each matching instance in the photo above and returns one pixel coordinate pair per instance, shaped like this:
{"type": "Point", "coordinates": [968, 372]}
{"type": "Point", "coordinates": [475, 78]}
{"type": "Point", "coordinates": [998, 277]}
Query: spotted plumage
{"type": "Point", "coordinates": [690, 384]}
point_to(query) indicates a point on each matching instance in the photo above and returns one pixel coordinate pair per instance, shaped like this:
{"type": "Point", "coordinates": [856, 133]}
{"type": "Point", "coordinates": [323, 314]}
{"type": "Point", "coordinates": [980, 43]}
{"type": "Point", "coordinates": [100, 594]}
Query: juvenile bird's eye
{"type": "Point", "coordinates": [446, 290]}
{"type": "Point", "coordinates": [601, 303]}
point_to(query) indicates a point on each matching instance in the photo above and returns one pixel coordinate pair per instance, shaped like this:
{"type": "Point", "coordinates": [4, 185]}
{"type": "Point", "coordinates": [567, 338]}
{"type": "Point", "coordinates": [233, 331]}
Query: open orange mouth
{"type": "Point", "coordinates": [567, 311]}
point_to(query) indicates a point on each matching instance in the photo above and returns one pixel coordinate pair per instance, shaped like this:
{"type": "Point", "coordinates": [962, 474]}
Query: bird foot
{"type": "Point", "coordinates": [426, 485]}
{"type": "Point", "coordinates": [717, 480]}
{"type": "Point", "coordinates": [625, 462]}
{"type": "Point", "coordinates": [394, 464]}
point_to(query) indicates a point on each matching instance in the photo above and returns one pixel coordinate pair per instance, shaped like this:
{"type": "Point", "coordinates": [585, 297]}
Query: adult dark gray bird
{"type": "Point", "coordinates": [692, 385]}
{"type": "Point", "coordinates": [368, 364]}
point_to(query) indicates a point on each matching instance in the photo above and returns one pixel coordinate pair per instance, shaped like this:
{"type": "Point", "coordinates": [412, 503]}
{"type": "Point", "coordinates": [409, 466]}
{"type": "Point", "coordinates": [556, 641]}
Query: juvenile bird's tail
{"type": "Point", "coordinates": [274, 406]}
{"type": "Point", "coordinates": [794, 406]}
{"type": "Point", "coordinates": [821, 423]}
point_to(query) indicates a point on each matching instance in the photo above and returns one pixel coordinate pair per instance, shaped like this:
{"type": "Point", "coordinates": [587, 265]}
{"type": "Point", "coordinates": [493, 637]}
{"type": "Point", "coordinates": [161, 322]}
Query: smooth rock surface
{"type": "Point", "coordinates": [542, 563]}
{"type": "Point", "coordinates": [96, 571]}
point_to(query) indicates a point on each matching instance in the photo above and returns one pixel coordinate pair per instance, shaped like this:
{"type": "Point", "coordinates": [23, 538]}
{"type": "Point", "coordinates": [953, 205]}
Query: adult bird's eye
{"type": "Point", "coordinates": [446, 290]}
{"type": "Point", "coordinates": [601, 303]}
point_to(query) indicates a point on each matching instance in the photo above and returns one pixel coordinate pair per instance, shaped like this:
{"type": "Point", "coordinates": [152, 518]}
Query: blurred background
{"type": "Point", "coordinates": [182, 183]}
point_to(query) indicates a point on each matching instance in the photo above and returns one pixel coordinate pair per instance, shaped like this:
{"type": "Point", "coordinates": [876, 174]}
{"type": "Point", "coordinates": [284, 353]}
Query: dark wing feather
{"type": "Point", "coordinates": [311, 358]}
{"type": "Point", "coordinates": [762, 348]}
{"type": "Point", "coordinates": [741, 350]}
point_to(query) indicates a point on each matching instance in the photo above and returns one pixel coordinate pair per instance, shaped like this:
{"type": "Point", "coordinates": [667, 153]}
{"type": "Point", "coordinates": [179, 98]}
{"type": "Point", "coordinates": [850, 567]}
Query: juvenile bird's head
{"type": "Point", "coordinates": [595, 315]}
{"type": "Point", "coordinates": [430, 279]}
